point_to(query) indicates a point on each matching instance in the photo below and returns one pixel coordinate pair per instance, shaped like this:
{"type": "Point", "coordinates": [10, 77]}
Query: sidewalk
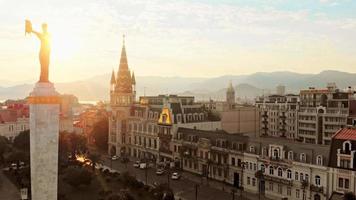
{"type": "Point", "coordinates": [222, 186]}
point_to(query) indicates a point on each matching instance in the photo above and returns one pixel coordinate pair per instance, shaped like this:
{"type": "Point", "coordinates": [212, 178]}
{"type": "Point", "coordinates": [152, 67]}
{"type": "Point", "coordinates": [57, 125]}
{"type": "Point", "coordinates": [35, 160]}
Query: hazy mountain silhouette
{"type": "Point", "coordinates": [97, 88]}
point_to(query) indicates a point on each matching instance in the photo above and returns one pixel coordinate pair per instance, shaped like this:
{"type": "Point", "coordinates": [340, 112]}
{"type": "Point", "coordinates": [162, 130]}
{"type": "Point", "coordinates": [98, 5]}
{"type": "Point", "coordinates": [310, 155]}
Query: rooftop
{"type": "Point", "coordinates": [345, 134]}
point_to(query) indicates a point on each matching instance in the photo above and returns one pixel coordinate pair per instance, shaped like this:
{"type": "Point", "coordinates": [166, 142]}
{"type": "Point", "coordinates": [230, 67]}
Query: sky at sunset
{"type": "Point", "coordinates": [179, 38]}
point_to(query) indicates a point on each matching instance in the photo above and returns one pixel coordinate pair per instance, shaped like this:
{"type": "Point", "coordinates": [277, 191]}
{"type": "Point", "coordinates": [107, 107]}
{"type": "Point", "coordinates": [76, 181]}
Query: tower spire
{"type": "Point", "coordinates": [113, 80]}
{"type": "Point", "coordinates": [123, 78]}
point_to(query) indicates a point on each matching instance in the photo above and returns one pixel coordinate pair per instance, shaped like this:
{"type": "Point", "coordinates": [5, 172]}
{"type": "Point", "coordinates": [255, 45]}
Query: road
{"type": "Point", "coordinates": [183, 188]}
{"type": "Point", "coordinates": [8, 190]}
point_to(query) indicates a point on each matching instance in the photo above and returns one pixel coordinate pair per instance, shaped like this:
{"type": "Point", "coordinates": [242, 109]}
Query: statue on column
{"type": "Point", "coordinates": [45, 48]}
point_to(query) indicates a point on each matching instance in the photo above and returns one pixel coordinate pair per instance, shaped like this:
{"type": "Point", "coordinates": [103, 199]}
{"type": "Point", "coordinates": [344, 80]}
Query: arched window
{"type": "Point", "coordinates": [290, 155]}
{"type": "Point", "coordinates": [262, 168]}
{"type": "Point", "coordinates": [301, 177]}
{"type": "Point", "coordinates": [296, 176]}
{"type": "Point", "coordinates": [252, 149]}
{"type": "Point", "coordinates": [271, 170]}
{"type": "Point", "coordinates": [317, 180]}
{"type": "Point", "coordinates": [280, 172]}
{"type": "Point", "coordinates": [302, 157]}
{"type": "Point", "coordinates": [319, 160]}
{"type": "Point", "coordinates": [346, 146]}
{"type": "Point", "coordinates": [275, 153]}
{"type": "Point", "coordinates": [289, 174]}
{"type": "Point", "coordinates": [306, 177]}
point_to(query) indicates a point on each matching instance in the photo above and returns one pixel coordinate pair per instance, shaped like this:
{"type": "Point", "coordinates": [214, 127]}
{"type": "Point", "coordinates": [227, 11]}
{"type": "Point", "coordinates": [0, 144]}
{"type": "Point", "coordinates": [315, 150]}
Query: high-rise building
{"type": "Point", "coordinates": [322, 112]}
{"type": "Point", "coordinates": [278, 114]}
{"type": "Point", "coordinates": [280, 90]}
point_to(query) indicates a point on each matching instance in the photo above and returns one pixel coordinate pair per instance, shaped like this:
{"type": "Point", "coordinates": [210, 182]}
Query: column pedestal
{"type": "Point", "coordinates": [44, 131]}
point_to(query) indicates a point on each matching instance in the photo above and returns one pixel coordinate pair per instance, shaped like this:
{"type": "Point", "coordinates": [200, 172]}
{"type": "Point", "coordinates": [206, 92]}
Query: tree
{"type": "Point", "coordinates": [4, 147]}
{"type": "Point", "coordinates": [164, 192]}
{"type": "Point", "coordinates": [22, 141]}
{"type": "Point", "coordinates": [94, 158]}
{"type": "Point", "coordinates": [17, 157]}
{"type": "Point", "coordinates": [76, 176]}
{"type": "Point", "coordinates": [100, 134]}
{"type": "Point", "coordinates": [349, 196]}
{"type": "Point", "coordinates": [120, 196]}
{"type": "Point", "coordinates": [71, 143]}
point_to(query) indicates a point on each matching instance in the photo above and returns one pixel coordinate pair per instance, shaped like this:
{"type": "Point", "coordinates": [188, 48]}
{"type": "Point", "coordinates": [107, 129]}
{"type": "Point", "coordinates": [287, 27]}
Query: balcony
{"type": "Point", "coordinates": [315, 188]}
{"type": "Point", "coordinates": [278, 180]}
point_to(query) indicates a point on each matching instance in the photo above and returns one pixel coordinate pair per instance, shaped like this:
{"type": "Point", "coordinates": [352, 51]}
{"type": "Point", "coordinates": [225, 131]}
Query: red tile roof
{"type": "Point", "coordinates": [345, 134]}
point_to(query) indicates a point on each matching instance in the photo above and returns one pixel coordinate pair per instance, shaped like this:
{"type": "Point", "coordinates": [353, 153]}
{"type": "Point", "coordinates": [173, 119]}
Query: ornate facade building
{"type": "Point", "coordinates": [144, 128]}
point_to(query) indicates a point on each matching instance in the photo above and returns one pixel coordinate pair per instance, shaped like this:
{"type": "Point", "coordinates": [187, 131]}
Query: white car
{"type": "Point", "coordinates": [114, 157]}
{"type": "Point", "coordinates": [136, 164]}
{"type": "Point", "coordinates": [175, 176]}
{"type": "Point", "coordinates": [160, 171]}
{"type": "Point", "coordinates": [143, 165]}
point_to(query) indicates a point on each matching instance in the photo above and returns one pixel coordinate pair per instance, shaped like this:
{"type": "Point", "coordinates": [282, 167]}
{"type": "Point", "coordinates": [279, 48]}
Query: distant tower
{"type": "Point", "coordinates": [122, 96]}
{"type": "Point", "coordinates": [280, 89]}
{"type": "Point", "coordinates": [230, 96]}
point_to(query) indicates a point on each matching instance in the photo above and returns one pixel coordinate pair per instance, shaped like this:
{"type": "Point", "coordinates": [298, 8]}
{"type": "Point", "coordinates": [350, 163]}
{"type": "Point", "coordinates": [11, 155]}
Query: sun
{"type": "Point", "coordinates": [64, 45]}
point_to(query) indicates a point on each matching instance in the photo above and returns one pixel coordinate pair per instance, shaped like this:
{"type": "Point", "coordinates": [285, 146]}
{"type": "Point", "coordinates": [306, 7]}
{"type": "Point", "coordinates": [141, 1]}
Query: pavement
{"type": "Point", "coordinates": [185, 187]}
{"type": "Point", "coordinates": [8, 190]}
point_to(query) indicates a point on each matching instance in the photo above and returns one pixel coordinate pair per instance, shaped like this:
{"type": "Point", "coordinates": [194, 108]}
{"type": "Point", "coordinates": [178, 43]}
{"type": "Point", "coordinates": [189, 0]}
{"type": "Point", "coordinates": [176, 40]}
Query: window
{"type": "Point", "coordinates": [306, 177]}
{"type": "Point", "coordinates": [289, 191]}
{"type": "Point", "coordinates": [275, 154]}
{"type": "Point", "coordinates": [301, 177]}
{"type": "Point", "coordinates": [319, 160]}
{"type": "Point", "coordinates": [346, 146]}
{"type": "Point", "coordinates": [290, 155]}
{"type": "Point", "coordinates": [252, 149]}
{"type": "Point", "coordinates": [302, 157]}
{"type": "Point", "coordinates": [270, 186]}
{"type": "Point", "coordinates": [233, 161]}
{"type": "Point", "coordinates": [253, 182]}
{"type": "Point", "coordinates": [317, 180]}
{"type": "Point", "coordinates": [344, 183]}
{"type": "Point", "coordinates": [270, 170]}
{"type": "Point", "coordinates": [255, 166]}
{"type": "Point", "coordinates": [280, 172]}
{"type": "Point", "coordinates": [248, 180]}
{"type": "Point", "coordinates": [296, 176]}
{"type": "Point", "coordinates": [289, 174]}
{"type": "Point", "coordinates": [297, 195]}
{"type": "Point", "coordinates": [280, 189]}
{"type": "Point", "coordinates": [263, 168]}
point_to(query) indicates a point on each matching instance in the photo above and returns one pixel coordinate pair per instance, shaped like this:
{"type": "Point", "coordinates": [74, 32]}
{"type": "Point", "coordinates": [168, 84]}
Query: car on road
{"type": "Point", "coordinates": [175, 176]}
{"type": "Point", "coordinates": [114, 157]}
{"type": "Point", "coordinates": [143, 165]}
{"type": "Point", "coordinates": [160, 171]}
{"type": "Point", "coordinates": [136, 164]}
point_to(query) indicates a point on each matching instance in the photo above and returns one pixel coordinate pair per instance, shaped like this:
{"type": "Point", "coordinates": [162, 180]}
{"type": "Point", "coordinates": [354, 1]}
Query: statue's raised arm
{"type": "Point", "coordinates": [45, 50]}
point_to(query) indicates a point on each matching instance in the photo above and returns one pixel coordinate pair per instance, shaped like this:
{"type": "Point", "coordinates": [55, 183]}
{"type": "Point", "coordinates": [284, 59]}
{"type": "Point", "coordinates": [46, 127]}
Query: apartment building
{"type": "Point", "coordinates": [278, 115]}
{"type": "Point", "coordinates": [322, 112]}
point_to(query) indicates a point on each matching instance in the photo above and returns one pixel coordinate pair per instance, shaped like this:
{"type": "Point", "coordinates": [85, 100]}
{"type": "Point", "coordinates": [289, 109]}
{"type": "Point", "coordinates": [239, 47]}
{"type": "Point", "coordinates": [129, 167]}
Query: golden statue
{"type": "Point", "coordinates": [45, 49]}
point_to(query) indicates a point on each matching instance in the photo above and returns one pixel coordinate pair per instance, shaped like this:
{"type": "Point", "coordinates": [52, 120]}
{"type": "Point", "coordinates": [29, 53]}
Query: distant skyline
{"type": "Point", "coordinates": [179, 38]}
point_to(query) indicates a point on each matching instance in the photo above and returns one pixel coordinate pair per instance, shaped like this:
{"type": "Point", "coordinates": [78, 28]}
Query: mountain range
{"type": "Point", "coordinates": [247, 86]}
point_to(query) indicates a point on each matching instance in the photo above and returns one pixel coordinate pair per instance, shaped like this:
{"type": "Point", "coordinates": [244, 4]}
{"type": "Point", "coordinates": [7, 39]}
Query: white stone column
{"type": "Point", "coordinates": [44, 131]}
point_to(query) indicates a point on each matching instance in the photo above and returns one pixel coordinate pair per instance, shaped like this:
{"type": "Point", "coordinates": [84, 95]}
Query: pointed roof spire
{"type": "Point", "coordinates": [123, 78]}
{"type": "Point", "coordinates": [231, 88]}
{"type": "Point", "coordinates": [133, 80]}
{"type": "Point", "coordinates": [113, 80]}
